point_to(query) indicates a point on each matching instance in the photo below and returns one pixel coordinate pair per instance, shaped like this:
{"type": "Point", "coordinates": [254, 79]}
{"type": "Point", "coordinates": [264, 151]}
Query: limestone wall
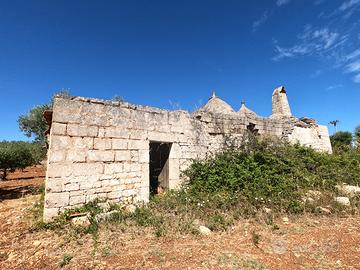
{"type": "Point", "coordinates": [100, 149]}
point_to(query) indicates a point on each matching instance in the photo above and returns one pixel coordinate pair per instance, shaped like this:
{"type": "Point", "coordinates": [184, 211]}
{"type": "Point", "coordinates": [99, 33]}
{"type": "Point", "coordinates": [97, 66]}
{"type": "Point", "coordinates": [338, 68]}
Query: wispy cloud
{"type": "Point", "coordinates": [310, 42]}
{"type": "Point", "coordinates": [333, 87]}
{"type": "Point", "coordinates": [264, 17]}
{"type": "Point", "coordinates": [280, 3]}
{"type": "Point", "coordinates": [349, 4]}
{"type": "Point", "coordinates": [336, 42]}
{"type": "Point", "coordinates": [357, 78]}
{"type": "Point", "coordinates": [352, 65]}
{"type": "Point", "coordinates": [267, 14]}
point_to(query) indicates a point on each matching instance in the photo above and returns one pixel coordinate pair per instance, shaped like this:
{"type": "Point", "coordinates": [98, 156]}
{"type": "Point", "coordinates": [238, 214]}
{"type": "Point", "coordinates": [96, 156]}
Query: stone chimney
{"type": "Point", "coordinates": [280, 103]}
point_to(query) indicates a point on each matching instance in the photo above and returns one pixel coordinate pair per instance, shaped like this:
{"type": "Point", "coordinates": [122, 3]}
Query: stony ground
{"type": "Point", "coordinates": [305, 242]}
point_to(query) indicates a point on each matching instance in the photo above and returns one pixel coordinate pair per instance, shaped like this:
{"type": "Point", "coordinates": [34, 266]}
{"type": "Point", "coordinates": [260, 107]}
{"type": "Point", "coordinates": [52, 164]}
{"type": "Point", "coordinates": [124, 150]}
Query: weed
{"type": "Point", "coordinates": [65, 260]}
{"type": "Point", "coordinates": [255, 237]}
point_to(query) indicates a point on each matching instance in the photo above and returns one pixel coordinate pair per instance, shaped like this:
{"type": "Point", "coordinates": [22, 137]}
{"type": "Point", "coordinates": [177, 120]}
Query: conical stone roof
{"type": "Point", "coordinates": [217, 105]}
{"type": "Point", "coordinates": [245, 110]}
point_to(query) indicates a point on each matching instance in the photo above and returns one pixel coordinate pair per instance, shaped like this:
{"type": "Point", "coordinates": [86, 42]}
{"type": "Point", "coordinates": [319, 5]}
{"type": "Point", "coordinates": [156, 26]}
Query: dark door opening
{"type": "Point", "coordinates": [159, 167]}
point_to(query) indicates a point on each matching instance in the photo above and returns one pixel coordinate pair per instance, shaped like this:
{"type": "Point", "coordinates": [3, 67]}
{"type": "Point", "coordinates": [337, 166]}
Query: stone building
{"type": "Point", "coordinates": [122, 152]}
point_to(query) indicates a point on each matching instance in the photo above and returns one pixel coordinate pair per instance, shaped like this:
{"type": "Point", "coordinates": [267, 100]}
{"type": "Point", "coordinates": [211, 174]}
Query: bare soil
{"type": "Point", "coordinates": [304, 242]}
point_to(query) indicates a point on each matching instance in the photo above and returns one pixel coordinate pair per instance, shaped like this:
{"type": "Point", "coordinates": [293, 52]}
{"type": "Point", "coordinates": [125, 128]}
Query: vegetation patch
{"type": "Point", "coordinates": [260, 179]}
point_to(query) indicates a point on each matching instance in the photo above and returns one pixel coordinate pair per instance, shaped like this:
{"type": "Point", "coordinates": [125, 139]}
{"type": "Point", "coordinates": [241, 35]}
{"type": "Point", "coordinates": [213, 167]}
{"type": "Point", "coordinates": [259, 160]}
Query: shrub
{"type": "Point", "coordinates": [341, 139]}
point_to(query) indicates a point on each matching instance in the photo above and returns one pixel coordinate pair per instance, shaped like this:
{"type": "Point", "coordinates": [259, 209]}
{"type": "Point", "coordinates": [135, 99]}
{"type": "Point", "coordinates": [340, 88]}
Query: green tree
{"type": "Point", "coordinates": [341, 138]}
{"type": "Point", "coordinates": [357, 134]}
{"type": "Point", "coordinates": [14, 155]}
{"type": "Point", "coordinates": [33, 123]}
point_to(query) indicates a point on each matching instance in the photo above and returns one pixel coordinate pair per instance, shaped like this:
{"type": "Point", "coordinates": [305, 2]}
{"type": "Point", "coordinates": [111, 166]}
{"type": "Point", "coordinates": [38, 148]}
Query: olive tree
{"type": "Point", "coordinates": [14, 155]}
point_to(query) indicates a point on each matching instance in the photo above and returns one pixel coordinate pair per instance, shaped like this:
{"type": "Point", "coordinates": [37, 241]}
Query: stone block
{"type": "Point", "coordinates": [60, 142]}
{"type": "Point", "coordinates": [83, 143]}
{"type": "Point", "coordinates": [116, 132]}
{"type": "Point", "coordinates": [86, 169]}
{"type": "Point", "coordinates": [100, 155]}
{"type": "Point", "coordinates": [74, 200]}
{"type": "Point", "coordinates": [66, 111]}
{"type": "Point", "coordinates": [110, 182]}
{"type": "Point", "coordinates": [58, 129]}
{"type": "Point", "coordinates": [144, 156]}
{"type": "Point", "coordinates": [90, 185]}
{"type": "Point", "coordinates": [161, 136]}
{"type": "Point", "coordinates": [119, 144]}
{"type": "Point", "coordinates": [122, 155]}
{"type": "Point", "coordinates": [138, 144]}
{"type": "Point", "coordinates": [101, 133]}
{"type": "Point", "coordinates": [115, 194]}
{"type": "Point", "coordinates": [54, 184]}
{"type": "Point", "coordinates": [113, 168]}
{"type": "Point", "coordinates": [82, 130]}
{"type": "Point", "coordinates": [53, 200]}
{"type": "Point", "coordinates": [134, 156]}
{"type": "Point", "coordinates": [71, 186]}
{"type": "Point", "coordinates": [57, 156]}
{"type": "Point", "coordinates": [102, 143]}
{"type": "Point", "coordinates": [129, 192]}
{"type": "Point", "coordinates": [78, 155]}
{"type": "Point", "coordinates": [138, 134]}
{"type": "Point", "coordinates": [59, 170]}
{"type": "Point", "coordinates": [50, 213]}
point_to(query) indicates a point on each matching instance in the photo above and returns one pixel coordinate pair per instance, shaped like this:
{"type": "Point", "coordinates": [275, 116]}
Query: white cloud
{"type": "Point", "coordinates": [311, 41]}
{"type": "Point", "coordinates": [280, 3]}
{"type": "Point", "coordinates": [356, 79]}
{"type": "Point", "coordinates": [332, 87]}
{"type": "Point", "coordinates": [336, 43]}
{"type": "Point", "coordinates": [353, 55]}
{"type": "Point", "coordinates": [267, 14]}
{"type": "Point", "coordinates": [354, 66]}
{"type": "Point", "coordinates": [349, 4]}
{"type": "Point", "coordinates": [264, 17]}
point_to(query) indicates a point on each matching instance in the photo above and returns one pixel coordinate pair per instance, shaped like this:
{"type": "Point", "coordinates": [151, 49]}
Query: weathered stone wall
{"type": "Point", "coordinates": [100, 149]}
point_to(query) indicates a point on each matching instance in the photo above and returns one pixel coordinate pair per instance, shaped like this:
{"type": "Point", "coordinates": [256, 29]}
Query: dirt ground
{"type": "Point", "coordinates": [306, 242]}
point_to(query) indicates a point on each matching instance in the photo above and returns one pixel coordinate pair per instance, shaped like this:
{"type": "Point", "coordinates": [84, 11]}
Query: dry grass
{"type": "Point", "coordinates": [306, 242]}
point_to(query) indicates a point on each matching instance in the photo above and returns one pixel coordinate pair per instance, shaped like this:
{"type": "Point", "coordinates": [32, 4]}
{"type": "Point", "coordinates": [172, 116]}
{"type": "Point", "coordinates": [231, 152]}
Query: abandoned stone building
{"type": "Point", "coordinates": [125, 153]}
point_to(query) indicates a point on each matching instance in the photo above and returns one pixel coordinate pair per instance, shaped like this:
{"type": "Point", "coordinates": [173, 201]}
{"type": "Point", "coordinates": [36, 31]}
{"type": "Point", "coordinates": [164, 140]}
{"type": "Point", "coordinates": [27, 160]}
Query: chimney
{"type": "Point", "coordinates": [280, 103]}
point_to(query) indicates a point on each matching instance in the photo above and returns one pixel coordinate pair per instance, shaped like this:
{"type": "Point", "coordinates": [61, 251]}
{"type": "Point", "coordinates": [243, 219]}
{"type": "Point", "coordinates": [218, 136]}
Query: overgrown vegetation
{"type": "Point", "coordinates": [260, 179]}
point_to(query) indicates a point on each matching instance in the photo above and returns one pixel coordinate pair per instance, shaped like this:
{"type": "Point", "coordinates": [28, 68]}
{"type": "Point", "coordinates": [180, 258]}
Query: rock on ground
{"type": "Point", "coordinates": [342, 200]}
{"type": "Point", "coordinates": [204, 230]}
{"type": "Point", "coordinates": [348, 189]}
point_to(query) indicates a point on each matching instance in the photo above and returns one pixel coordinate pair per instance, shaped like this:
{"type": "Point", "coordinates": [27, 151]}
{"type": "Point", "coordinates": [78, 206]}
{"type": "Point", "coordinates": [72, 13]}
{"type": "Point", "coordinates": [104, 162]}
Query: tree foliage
{"type": "Point", "coordinates": [357, 134]}
{"type": "Point", "coordinates": [15, 155]}
{"type": "Point", "coordinates": [341, 139]}
{"type": "Point", "coordinates": [33, 123]}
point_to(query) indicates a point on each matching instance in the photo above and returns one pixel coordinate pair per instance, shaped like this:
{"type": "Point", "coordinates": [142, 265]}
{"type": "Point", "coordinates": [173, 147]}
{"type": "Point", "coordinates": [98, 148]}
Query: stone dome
{"type": "Point", "coordinates": [217, 105]}
{"type": "Point", "coordinates": [245, 110]}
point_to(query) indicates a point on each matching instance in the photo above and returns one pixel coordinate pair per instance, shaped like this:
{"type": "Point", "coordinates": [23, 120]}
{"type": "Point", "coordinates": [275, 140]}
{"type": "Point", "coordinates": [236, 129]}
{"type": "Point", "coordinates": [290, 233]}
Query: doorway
{"type": "Point", "coordinates": [159, 167]}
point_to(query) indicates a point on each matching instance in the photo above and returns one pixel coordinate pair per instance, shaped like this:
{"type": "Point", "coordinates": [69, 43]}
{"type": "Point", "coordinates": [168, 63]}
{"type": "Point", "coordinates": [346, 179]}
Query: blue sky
{"type": "Point", "coordinates": [173, 54]}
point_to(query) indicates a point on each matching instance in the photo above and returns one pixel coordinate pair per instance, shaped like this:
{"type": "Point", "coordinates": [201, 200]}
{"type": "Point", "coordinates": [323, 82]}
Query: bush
{"type": "Point", "coordinates": [341, 139]}
{"type": "Point", "coordinates": [273, 173]}
{"type": "Point", "coordinates": [14, 155]}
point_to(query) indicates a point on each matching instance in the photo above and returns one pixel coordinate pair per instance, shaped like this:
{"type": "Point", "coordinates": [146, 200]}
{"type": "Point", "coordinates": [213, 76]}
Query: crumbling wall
{"type": "Point", "coordinates": [100, 149]}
